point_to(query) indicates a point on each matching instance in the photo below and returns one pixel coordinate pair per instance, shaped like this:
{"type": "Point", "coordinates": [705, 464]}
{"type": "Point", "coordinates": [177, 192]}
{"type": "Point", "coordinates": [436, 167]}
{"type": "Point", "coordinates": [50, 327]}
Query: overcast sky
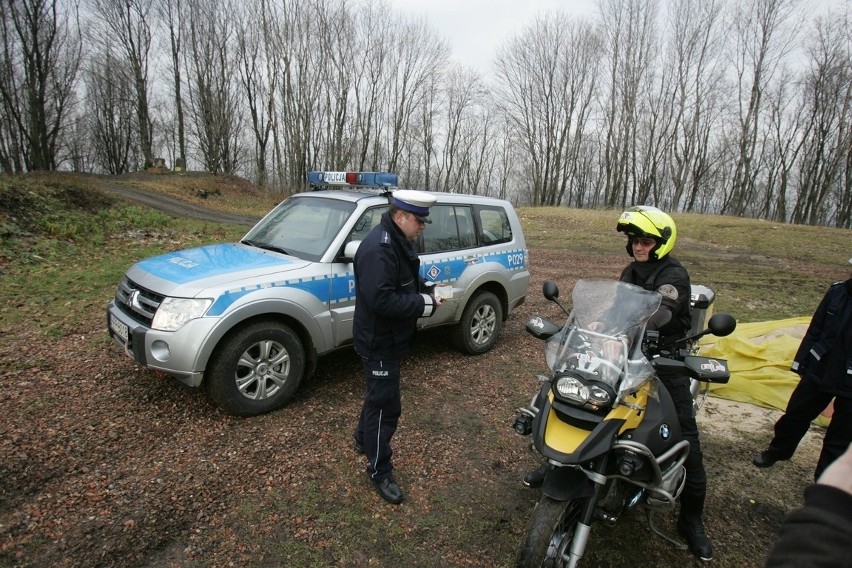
{"type": "Point", "coordinates": [476, 28]}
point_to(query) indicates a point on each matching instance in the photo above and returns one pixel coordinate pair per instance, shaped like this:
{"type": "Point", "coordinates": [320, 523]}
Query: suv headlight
{"type": "Point", "coordinates": [173, 313]}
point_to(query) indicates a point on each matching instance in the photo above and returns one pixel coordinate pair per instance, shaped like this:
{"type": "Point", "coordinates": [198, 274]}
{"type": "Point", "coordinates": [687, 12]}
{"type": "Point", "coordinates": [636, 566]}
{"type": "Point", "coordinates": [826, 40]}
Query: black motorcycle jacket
{"type": "Point", "coordinates": [388, 294]}
{"type": "Point", "coordinates": [825, 354]}
{"type": "Point", "coordinates": [671, 280]}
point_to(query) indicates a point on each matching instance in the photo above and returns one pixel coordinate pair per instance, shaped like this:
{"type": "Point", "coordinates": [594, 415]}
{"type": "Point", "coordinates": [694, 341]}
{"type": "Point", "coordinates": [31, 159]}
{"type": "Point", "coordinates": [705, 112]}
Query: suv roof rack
{"type": "Point", "coordinates": [374, 182]}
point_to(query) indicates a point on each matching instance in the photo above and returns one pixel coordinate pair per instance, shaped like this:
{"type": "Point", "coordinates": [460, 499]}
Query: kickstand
{"type": "Point", "coordinates": [677, 544]}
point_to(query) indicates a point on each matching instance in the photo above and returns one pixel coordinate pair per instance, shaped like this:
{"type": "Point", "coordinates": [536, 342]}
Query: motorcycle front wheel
{"type": "Point", "coordinates": [550, 533]}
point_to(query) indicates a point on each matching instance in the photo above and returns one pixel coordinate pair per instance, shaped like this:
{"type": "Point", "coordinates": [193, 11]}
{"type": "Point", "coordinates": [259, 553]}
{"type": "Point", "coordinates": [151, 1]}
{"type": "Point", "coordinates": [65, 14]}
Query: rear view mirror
{"type": "Point", "coordinates": [721, 324]}
{"type": "Point", "coordinates": [550, 290]}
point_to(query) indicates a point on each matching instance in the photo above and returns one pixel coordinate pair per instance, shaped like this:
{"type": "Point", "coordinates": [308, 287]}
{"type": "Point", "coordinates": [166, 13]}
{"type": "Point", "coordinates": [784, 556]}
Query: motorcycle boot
{"type": "Point", "coordinates": [535, 478]}
{"type": "Point", "coordinates": [691, 527]}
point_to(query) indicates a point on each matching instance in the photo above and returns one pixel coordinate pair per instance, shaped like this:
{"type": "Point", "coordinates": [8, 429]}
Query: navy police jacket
{"type": "Point", "coordinates": [825, 354]}
{"type": "Point", "coordinates": [389, 294]}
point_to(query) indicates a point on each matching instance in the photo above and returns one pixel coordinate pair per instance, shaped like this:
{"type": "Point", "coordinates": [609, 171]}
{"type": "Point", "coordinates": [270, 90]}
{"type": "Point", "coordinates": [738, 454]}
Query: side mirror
{"type": "Point", "coordinates": [721, 324]}
{"type": "Point", "coordinates": [550, 290]}
{"type": "Point", "coordinates": [350, 249]}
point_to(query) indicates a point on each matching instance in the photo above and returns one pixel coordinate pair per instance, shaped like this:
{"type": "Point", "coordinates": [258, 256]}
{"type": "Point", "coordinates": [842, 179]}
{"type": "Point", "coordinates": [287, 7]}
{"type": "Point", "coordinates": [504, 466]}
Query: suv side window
{"type": "Point", "coordinates": [494, 226]}
{"type": "Point", "coordinates": [366, 223]}
{"type": "Point", "coordinates": [452, 228]}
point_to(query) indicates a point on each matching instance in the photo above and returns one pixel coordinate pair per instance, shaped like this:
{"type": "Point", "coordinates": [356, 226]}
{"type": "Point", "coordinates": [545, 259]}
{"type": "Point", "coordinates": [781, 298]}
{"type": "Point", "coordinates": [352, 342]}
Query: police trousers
{"type": "Point", "coordinates": [379, 416]}
{"type": "Point", "coordinates": [806, 403]}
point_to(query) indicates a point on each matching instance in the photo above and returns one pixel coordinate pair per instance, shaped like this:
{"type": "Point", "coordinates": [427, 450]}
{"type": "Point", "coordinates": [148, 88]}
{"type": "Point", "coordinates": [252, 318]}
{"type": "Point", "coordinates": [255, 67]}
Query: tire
{"type": "Point", "coordinates": [256, 370]}
{"type": "Point", "coordinates": [550, 533]}
{"type": "Point", "coordinates": [480, 324]}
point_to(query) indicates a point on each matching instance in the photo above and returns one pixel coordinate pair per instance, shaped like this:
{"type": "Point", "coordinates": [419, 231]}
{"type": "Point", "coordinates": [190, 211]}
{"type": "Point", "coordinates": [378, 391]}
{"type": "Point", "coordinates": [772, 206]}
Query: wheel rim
{"type": "Point", "coordinates": [262, 370]}
{"type": "Point", "coordinates": [482, 324]}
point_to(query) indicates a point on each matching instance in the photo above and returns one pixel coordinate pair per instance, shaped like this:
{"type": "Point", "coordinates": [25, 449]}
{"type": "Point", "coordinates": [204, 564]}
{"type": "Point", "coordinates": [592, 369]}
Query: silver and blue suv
{"type": "Point", "coordinates": [248, 320]}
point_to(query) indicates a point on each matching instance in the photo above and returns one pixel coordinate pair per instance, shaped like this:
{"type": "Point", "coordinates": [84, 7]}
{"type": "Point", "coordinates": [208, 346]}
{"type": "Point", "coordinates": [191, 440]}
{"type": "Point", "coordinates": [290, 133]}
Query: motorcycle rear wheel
{"type": "Point", "coordinates": [550, 533]}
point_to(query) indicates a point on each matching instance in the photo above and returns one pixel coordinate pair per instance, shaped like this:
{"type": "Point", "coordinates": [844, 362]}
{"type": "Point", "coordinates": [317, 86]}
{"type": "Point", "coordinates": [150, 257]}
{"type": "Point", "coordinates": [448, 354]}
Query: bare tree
{"type": "Point", "coordinates": [371, 73]}
{"type": "Point", "coordinates": [425, 133]}
{"type": "Point", "coordinates": [170, 13]}
{"type": "Point", "coordinates": [630, 30]}
{"type": "Point", "coordinates": [787, 131]}
{"type": "Point", "coordinates": [462, 92]}
{"type": "Point", "coordinates": [111, 113]}
{"type": "Point", "coordinates": [127, 22]}
{"type": "Point", "coordinates": [765, 33]}
{"type": "Point", "coordinates": [828, 107]}
{"type": "Point", "coordinates": [42, 53]}
{"type": "Point", "coordinates": [546, 78]}
{"type": "Point", "coordinates": [695, 43]}
{"type": "Point", "coordinates": [215, 106]}
{"type": "Point", "coordinates": [416, 55]}
{"type": "Point", "coordinates": [258, 86]}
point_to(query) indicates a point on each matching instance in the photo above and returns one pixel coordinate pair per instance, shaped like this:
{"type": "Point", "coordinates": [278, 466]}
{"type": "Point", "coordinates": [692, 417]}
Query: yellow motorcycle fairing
{"type": "Point", "coordinates": [565, 438]}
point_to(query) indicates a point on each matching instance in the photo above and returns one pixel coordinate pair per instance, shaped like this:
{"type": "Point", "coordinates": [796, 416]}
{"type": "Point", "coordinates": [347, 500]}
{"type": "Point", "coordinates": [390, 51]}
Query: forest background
{"type": "Point", "coordinates": [735, 107]}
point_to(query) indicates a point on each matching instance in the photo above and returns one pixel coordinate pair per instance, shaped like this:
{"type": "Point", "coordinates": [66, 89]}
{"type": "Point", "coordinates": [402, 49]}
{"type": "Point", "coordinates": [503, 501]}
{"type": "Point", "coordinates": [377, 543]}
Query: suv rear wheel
{"type": "Point", "coordinates": [480, 324]}
{"type": "Point", "coordinates": [257, 369]}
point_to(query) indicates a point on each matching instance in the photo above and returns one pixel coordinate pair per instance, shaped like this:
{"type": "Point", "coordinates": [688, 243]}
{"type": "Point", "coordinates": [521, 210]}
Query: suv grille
{"type": "Point", "coordinates": [137, 302]}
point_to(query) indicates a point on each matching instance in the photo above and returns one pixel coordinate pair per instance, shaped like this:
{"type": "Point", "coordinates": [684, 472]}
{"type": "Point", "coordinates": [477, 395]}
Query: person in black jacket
{"type": "Point", "coordinates": [390, 296]}
{"type": "Point", "coordinates": [818, 534]}
{"type": "Point", "coordinates": [824, 363]}
{"type": "Point", "coordinates": [651, 236]}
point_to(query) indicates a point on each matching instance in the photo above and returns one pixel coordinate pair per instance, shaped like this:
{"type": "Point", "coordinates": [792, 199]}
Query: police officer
{"type": "Point", "coordinates": [390, 296]}
{"type": "Point", "coordinates": [824, 362]}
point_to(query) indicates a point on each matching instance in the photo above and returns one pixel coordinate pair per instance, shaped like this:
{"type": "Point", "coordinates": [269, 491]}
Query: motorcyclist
{"type": "Point", "coordinates": [651, 236]}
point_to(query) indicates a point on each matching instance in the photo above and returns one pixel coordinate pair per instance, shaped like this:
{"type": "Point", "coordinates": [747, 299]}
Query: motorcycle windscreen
{"type": "Point", "coordinates": [606, 313]}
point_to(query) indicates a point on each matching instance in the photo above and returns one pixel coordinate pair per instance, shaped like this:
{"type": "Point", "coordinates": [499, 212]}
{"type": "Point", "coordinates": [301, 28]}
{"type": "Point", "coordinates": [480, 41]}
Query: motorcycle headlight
{"type": "Point", "coordinates": [173, 313]}
{"type": "Point", "coordinates": [599, 397]}
{"type": "Point", "coordinates": [572, 389]}
{"type": "Point", "coordinates": [587, 394]}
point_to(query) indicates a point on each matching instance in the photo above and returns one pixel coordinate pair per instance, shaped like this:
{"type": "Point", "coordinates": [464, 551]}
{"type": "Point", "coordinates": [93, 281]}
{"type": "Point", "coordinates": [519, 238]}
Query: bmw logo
{"type": "Point", "coordinates": [665, 432]}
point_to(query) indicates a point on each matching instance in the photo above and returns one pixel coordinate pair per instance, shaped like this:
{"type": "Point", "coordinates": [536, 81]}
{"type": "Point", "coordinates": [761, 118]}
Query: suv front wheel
{"type": "Point", "coordinates": [480, 324]}
{"type": "Point", "coordinates": [257, 369]}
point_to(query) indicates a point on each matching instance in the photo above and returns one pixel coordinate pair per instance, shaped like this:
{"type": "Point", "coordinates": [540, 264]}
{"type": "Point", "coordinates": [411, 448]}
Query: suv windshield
{"type": "Point", "coordinates": [301, 226]}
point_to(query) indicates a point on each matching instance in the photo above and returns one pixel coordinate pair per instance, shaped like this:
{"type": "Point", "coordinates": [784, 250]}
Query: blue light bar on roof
{"type": "Point", "coordinates": [360, 179]}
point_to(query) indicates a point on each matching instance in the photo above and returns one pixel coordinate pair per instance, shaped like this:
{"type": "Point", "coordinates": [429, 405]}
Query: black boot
{"type": "Point", "coordinates": [535, 478]}
{"type": "Point", "coordinates": [691, 527]}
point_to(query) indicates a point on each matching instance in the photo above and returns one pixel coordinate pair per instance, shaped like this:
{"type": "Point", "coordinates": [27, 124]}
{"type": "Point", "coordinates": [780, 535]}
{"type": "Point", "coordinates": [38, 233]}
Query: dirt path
{"type": "Point", "coordinates": [175, 207]}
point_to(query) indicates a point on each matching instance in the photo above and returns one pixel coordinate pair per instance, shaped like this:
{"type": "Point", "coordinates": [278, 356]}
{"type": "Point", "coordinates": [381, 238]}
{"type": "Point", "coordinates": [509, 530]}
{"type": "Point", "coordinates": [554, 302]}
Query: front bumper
{"type": "Point", "coordinates": [172, 352]}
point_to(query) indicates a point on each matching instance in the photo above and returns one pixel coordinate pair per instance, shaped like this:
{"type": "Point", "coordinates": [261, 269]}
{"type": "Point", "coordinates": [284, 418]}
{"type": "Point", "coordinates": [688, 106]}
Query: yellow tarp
{"type": "Point", "coordinates": [759, 357]}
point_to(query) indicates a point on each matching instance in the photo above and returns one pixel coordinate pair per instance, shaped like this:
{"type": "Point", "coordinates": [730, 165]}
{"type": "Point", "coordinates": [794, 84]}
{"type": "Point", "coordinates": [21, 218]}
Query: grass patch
{"type": "Point", "coordinates": [64, 247]}
{"type": "Point", "coordinates": [759, 270]}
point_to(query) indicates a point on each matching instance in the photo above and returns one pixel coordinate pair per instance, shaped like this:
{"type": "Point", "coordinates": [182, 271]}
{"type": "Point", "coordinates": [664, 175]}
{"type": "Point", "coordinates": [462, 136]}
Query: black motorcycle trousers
{"type": "Point", "coordinates": [379, 416]}
{"type": "Point", "coordinates": [695, 490]}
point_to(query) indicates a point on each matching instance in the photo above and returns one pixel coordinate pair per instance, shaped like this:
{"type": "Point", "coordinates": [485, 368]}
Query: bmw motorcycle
{"type": "Point", "coordinates": [603, 421]}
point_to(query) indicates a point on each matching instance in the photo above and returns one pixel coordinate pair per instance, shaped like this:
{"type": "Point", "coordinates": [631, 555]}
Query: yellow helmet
{"type": "Point", "coordinates": [647, 221]}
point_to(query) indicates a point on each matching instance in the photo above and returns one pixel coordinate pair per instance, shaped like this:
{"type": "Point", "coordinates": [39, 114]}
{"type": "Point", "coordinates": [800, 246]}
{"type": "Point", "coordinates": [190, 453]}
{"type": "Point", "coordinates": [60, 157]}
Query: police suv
{"type": "Point", "coordinates": [248, 320]}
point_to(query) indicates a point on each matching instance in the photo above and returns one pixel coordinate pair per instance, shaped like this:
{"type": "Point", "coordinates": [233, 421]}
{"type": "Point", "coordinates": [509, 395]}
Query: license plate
{"type": "Point", "coordinates": [118, 328]}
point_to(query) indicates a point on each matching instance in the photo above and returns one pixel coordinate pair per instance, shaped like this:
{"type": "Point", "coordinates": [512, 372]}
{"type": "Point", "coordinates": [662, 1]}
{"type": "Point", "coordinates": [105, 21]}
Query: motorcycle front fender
{"type": "Point", "coordinates": [566, 483]}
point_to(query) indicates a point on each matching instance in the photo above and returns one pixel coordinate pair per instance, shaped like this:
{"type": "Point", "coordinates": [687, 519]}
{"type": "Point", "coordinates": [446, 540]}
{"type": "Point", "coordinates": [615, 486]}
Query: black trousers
{"type": "Point", "coordinates": [805, 404]}
{"type": "Point", "coordinates": [379, 416]}
{"type": "Point", "coordinates": [695, 490]}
